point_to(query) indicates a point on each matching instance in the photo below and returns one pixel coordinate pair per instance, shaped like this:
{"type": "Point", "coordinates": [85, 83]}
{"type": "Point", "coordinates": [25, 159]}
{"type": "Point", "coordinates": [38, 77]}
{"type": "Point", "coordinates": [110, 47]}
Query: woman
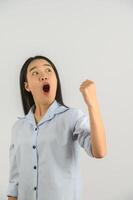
{"type": "Point", "coordinates": [45, 142]}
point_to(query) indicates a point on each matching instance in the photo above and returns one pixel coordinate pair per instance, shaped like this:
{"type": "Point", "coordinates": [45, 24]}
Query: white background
{"type": "Point", "coordinates": [86, 39]}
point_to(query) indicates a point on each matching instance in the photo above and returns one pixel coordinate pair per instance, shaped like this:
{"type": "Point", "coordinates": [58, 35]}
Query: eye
{"type": "Point", "coordinates": [49, 70]}
{"type": "Point", "coordinates": [35, 72]}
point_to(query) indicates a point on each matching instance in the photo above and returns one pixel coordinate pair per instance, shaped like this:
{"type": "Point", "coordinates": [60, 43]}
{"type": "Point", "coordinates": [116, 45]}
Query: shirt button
{"type": "Point", "coordinates": [35, 129]}
{"type": "Point", "coordinates": [35, 188]}
{"type": "Point", "coordinates": [34, 167]}
{"type": "Point", "coordinates": [34, 146]}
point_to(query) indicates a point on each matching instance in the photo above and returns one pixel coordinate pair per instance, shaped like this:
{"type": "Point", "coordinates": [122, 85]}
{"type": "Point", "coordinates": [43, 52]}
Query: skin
{"type": "Point", "coordinates": [98, 134]}
{"type": "Point", "coordinates": [12, 198]}
{"type": "Point", "coordinates": [36, 77]}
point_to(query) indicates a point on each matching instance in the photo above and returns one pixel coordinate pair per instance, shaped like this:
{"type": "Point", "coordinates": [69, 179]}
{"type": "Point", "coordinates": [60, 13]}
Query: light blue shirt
{"type": "Point", "coordinates": [44, 157]}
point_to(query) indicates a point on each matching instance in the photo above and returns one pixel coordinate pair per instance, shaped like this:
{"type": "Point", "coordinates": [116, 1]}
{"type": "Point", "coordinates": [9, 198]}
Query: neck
{"type": "Point", "coordinates": [40, 109]}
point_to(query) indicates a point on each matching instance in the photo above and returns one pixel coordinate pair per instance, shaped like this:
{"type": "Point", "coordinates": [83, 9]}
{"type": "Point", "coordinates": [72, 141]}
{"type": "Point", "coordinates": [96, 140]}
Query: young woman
{"type": "Point", "coordinates": [45, 142]}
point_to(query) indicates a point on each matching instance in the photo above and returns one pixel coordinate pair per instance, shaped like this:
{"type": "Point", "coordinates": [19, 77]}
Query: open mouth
{"type": "Point", "coordinates": [46, 88]}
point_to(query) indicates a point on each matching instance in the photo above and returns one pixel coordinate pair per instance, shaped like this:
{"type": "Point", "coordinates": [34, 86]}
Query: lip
{"type": "Point", "coordinates": [45, 83]}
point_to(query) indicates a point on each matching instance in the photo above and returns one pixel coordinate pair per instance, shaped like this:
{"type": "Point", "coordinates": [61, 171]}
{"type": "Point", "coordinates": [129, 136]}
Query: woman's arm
{"type": "Point", "coordinates": [98, 138]}
{"type": "Point", "coordinates": [12, 198]}
{"type": "Point", "coordinates": [12, 190]}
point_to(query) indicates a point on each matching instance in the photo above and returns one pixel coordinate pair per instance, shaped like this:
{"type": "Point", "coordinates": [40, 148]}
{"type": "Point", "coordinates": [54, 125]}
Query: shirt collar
{"type": "Point", "coordinates": [54, 108]}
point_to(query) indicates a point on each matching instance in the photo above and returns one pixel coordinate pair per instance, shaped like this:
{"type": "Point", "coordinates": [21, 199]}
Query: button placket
{"type": "Point", "coordinates": [34, 146]}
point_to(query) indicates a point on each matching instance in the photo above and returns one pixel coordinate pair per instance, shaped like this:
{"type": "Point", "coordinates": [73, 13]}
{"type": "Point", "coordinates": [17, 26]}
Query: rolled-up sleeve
{"type": "Point", "coordinates": [81, 130]}
{"type": "Point", "coordinates": [12, 189]}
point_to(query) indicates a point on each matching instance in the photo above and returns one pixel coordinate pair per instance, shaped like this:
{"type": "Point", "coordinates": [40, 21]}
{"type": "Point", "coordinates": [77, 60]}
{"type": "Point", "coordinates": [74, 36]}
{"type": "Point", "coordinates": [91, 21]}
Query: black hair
{"type": "Point", "coordinates": [26, 97]}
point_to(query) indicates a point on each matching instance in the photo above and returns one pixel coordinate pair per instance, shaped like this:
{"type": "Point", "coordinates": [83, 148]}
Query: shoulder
{"type": "Point", "coordinates": [18, 123]}
{"type": "Point", "coordinates": [76, 114]}
{"type": "Point", "coordinates": [72, 114]}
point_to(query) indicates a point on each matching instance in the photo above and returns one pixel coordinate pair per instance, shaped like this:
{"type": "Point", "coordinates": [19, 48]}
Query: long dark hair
{"type": "Point", "coordinates": [27, 98]}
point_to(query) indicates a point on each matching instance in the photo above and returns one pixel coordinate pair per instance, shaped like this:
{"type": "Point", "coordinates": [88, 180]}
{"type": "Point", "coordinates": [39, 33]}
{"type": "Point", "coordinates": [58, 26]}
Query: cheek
{"type": "Point", "coordinates": [32, 85]}
{"type": "Point", "coordinates": [29, 82]}
{"type": "Point", "coordinates": [55, 83]}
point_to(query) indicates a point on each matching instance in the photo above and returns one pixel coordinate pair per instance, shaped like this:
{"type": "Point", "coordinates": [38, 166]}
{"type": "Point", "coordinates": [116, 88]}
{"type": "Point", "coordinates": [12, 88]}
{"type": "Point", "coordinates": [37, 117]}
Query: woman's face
{"type": "Point", "coordinates": [40, 72]}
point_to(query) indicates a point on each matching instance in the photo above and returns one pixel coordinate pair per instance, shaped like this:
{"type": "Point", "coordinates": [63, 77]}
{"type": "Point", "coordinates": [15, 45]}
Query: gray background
{"type": "Point", "coordinates": [86, 40]}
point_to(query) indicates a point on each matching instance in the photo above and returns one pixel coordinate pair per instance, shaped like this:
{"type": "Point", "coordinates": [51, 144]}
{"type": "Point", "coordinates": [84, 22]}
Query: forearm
{"type": "Point", "coordinates": [98, 138]}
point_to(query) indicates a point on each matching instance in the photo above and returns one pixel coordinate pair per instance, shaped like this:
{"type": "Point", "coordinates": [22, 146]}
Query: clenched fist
{"type": "Point", "coordinates": [88, 90]}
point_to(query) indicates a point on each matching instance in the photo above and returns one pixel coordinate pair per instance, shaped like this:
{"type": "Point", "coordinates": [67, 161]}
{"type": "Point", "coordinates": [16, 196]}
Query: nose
{"type": "Point", "coordinates": [42, 78]}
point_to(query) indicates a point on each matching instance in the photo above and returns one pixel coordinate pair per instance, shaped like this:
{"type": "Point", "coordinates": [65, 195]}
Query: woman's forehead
{"type": "Point", "coordinates": [38, 63]}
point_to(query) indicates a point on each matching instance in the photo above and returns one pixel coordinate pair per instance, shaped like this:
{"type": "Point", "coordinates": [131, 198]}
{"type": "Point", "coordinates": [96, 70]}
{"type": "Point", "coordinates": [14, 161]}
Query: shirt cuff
{"type": "Point", "coordinates": [12, 190]}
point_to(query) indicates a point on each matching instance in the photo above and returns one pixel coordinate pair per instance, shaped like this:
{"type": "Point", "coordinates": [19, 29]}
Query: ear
{"type": "Point", "coordinates": [26, 86]}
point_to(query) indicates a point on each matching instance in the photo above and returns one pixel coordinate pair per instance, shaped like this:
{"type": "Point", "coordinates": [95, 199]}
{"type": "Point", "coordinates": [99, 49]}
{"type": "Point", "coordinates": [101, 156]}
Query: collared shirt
{"type": "Point", "coordinates": [44, 157]}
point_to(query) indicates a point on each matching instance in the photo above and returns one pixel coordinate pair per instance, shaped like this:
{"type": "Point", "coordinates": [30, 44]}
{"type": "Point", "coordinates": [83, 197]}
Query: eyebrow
{"type": "Point", "coordinates": [42, 65]}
